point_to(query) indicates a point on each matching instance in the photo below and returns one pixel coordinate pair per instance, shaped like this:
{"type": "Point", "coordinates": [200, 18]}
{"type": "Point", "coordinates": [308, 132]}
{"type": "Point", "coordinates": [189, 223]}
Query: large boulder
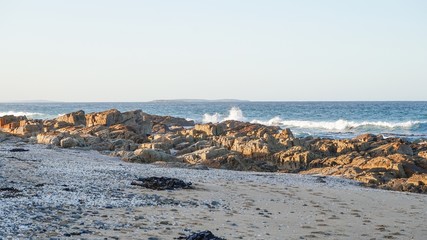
{"type": "Point", "coordinates": [53, 138]}
{"type": "Point", "coordinates": [384, 164]}
{"type": "Point", "coordinates": [139, 121]}
{"type": "Point", "coordinates": [20, 125]}
{"type": "Point", "coordinates": [146, 155]}
{"type": "Point", "coordinates": [253, 148]}
{"type": "Point", "coordinates": [203, 155]}
{"type": "Point", "coordinates": [6, 120]}
{"type": "Point", "coordinates": [69, 142]}
{"type": "Point", "coordinates": [120, 131]}
{"type": "Point", "coordinates": [293, 160]}
{"type": "Point", "coordinates": [28, 128]}
{"type": "Point", "coordinates": [106, 118]}
{"type": "Point", "coordinates": [75, 118]}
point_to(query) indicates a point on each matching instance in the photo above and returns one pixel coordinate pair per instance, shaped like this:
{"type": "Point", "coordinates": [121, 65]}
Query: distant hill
{"type": "Point", "coordinates": [198, 100]}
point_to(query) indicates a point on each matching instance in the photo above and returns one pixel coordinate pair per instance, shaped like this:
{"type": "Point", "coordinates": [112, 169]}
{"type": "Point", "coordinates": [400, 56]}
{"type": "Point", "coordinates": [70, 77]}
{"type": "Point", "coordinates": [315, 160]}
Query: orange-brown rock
{"type": "Point", "coordinates": [391, 148]}
{"type": "Point", "coordinates": [293, 160]}
{"type": "Point", "coordinates": [74, 118]}
{"type": "Point", "coordinates": [418, 179]}
{"type": "Point", "coordinates": [210, 129]}
{"type": "Point", "coordinates": [106, 118]}
{"type": "Point", "coordinates": [5, 121]}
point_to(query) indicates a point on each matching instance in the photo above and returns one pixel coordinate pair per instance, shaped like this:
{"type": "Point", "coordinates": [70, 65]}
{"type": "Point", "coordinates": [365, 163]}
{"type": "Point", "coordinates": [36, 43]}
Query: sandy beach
{"type": "Point", "coordinates": [79, 194]}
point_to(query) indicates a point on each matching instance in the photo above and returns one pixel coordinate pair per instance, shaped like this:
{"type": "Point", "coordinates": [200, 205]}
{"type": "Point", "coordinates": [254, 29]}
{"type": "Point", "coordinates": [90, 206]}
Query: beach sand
{"type": "Point", "coordinates": [78, 194]}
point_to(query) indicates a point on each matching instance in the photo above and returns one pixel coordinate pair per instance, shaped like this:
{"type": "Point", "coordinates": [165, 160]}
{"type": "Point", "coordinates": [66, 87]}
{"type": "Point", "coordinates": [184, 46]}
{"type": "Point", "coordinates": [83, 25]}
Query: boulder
{"type": "Point", "coordinates": [205, 154]}
{"type": "Point", "coordinates": [196, 146]}
{"type": "Point", "coordinates": [8, 119]}
{"type": "Point", "coordinates": [69, 142]}
{"type": "Point", "coordinates": [138, 120]}
{"type": "Point", "coordinates": [120, 131]}
{"type": "Point", "coordinates": [383, 164]}
{"type": "Point", "coordinates": [20, 125]}
{"type": "Point", "coordinates": [106, 118]}
{"type": "Point", "coordinates": [254, 148]}
{"type": "Point", "coordinates": [53, 138]}
{"type": "Point", "coordinates": [75, 118]}
{"type": "Point", "coordinates": [146, 155]}
{"type": "Point", "coordinates": [293, 160]}
{"type": "Point", "coordinates": [28, 128]}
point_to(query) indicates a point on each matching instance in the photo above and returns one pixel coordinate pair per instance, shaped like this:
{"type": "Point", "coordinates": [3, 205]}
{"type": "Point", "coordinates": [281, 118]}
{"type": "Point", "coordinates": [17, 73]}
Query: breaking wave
{"type": "Point", "coordinates": [28, 114]}
{"type": "Point", "coordinates": [340, 125]}
{"type": "Point", "coordinates": [234, 113]}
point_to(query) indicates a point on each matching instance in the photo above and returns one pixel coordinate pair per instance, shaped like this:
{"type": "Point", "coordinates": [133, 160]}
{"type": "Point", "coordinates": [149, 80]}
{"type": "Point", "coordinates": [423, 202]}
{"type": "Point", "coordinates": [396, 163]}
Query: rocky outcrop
{"type": "Point", "coordinates": [136, 136]}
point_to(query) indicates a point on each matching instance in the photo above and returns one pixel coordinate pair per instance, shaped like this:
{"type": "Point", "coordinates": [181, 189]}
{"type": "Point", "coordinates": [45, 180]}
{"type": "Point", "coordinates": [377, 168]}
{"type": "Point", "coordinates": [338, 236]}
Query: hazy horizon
{"type": "Point", "coordinates": [139, 51]}
{"type": "Point", "coordinates": [203, 100]}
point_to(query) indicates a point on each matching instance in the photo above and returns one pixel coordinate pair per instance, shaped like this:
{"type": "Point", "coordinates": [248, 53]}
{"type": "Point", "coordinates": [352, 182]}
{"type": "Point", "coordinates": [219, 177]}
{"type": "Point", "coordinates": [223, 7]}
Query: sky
{"type": "Point", "coordinates": [305, 50]}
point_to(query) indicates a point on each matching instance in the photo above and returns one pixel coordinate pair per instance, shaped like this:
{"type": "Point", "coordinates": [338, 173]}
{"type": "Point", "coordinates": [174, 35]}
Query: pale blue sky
{"type": "Point", "coordinates": [255, 50]}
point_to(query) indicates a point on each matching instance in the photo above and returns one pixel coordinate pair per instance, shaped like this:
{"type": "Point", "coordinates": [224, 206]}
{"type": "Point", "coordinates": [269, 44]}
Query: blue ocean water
{"type": "Point", "coordinates": [322, 119]}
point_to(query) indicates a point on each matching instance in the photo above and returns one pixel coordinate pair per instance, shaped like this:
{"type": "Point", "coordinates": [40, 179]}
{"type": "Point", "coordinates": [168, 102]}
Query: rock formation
{"type": "Point", "coordinates": [136, 136]}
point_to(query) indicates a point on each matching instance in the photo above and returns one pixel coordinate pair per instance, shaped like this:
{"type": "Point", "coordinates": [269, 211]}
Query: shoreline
{"type": "Point", "coordinates": [135, 136]}
{"type": "Point", "coordinates": [334, 120]}
{"type": "Point", "coordinates": [84, 194]}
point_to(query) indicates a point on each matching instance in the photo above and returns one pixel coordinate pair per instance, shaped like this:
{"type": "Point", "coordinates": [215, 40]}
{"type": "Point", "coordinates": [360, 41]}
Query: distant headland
{"type": "Point", "coordinates": [199, 100]}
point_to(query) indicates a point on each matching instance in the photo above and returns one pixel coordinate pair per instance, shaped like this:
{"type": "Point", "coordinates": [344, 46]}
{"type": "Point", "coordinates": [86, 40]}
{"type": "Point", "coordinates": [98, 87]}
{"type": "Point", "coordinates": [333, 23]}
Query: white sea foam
{"type": "Point", "coordinates": [28, 114]}
{"type": "Point", "coordinates": [235, 113]}
{"type": "Point", "coordinates": [338, 125]}
{"type": "Point", "coordinates": [214, 118]}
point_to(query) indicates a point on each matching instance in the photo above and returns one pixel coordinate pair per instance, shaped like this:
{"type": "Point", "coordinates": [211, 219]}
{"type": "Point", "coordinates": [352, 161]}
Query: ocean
{"type": "Point", "coordinates": [319, 119]}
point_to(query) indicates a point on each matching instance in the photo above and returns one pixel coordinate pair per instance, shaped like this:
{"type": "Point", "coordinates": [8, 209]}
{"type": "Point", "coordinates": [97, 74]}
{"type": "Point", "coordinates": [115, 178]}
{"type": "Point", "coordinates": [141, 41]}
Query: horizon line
{"type": "Point", "coordinates": [202, 100]}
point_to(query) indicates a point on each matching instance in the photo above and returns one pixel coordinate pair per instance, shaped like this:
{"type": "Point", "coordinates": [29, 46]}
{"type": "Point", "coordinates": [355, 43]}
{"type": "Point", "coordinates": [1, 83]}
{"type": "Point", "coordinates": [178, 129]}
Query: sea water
{"type": "Point", "coordinates": [318, 119]}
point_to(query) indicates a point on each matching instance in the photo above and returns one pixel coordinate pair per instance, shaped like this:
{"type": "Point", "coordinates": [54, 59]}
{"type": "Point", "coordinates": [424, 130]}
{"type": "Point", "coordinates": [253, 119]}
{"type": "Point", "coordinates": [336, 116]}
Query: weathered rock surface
{"type": "Point", "coordinates": [74, 118]}
{"type": "Point", "coordinates": [146, 155]}
{"type": "Point", "coordinates": [136, 136]}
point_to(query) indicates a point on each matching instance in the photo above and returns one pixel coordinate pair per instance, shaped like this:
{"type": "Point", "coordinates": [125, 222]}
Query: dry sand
{"type": "Point", "coordinates": [76, 194]}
